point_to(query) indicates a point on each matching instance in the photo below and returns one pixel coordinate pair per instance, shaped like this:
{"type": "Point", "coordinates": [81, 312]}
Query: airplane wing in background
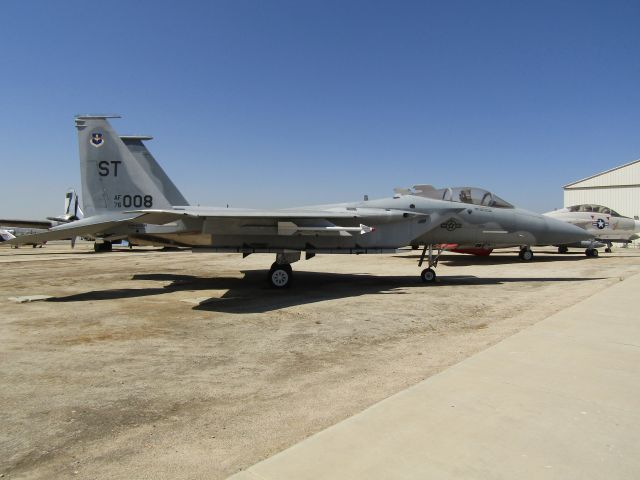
{"type": "Point", "coordinates": [42, 224]}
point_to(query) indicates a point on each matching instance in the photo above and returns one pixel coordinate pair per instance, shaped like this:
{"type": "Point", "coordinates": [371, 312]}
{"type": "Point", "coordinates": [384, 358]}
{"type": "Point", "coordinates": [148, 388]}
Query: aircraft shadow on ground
{"type": "Point", "coordinates": [252, 293]}
{"type": "Point", "coordinates": [467, 260]}
{"type": "Point", "coordinates": [463, 260]}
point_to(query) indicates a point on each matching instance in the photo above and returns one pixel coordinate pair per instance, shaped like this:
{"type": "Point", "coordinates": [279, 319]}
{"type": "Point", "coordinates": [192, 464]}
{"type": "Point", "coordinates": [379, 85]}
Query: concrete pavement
{"type": "Point", "coordinates": [560, 399]}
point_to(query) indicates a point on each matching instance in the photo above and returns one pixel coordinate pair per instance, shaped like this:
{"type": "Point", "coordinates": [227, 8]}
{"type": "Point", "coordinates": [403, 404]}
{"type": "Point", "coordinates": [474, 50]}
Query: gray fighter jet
{"type": "Point", "coordinates": [603, 223]}
{"type": "Point", "coordinates": [127, 195]}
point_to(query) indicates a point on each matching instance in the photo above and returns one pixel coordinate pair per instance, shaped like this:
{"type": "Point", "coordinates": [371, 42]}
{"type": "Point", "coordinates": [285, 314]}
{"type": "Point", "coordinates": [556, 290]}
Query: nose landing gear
{"type": "Point", "coordinates": [428, 275]}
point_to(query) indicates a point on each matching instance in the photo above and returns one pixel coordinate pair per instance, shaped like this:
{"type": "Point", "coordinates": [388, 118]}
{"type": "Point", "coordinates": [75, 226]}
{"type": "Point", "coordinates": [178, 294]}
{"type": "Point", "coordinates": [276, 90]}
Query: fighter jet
{"type": "Point", "coordinates": [126, 194]}
{"type": "Point", "coordinates": [603, 223]}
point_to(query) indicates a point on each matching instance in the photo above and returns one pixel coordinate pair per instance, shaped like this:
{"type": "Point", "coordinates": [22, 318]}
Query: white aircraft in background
{"type": "Point", "coordinates": [6, 235]}
{"type": "Point", "coordinates": [605, 224]}
{"type": "Point", "coordinates": [18, 227]}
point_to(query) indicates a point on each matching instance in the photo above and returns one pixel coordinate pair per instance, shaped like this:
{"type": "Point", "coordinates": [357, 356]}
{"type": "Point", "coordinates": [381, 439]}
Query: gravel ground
{"type": "Point", "coordinates": [168, 364]}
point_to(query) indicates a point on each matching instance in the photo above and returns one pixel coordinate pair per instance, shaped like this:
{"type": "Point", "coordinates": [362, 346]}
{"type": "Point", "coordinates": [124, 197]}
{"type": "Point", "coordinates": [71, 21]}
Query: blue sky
{"type": "Point", "coordinates": [282, 103]}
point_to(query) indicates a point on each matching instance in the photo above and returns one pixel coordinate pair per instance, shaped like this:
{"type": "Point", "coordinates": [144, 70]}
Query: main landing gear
{"type": "Point", "coordinates": [281, 273]}
{"type": "Point", "coordinates": [591, 252]}
{"type": "Point", "coordinates": [563, 249]}
{"type": "Point", "coordinates": [525, 254]}
{"type": "Point", "coordinates": [102, 247]}
{"type": "Point", "coordinates": [428, 275]}
{"type": "Point", "coordinates": [280, 276]}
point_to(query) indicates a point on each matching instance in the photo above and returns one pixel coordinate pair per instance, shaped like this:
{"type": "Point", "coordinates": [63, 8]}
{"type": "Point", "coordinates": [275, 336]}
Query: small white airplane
{"type": "Point", "coordinates": [605, 224]}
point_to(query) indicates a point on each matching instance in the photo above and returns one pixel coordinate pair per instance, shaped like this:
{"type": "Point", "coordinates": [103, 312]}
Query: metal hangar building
{"type": "Point", "coordinates": [617, 188]}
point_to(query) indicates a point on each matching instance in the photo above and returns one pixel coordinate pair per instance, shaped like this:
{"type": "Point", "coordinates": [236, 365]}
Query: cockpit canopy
{"type": "Point", "coordinates": [589, 207]}
{"type": "Point", "coordinates": [471, 195]}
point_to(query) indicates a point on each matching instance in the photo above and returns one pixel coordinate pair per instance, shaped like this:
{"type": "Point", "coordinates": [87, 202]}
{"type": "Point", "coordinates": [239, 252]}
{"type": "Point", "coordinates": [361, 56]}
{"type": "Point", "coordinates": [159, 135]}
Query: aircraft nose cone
{"type": "Point", "coordinates": [559, 232]}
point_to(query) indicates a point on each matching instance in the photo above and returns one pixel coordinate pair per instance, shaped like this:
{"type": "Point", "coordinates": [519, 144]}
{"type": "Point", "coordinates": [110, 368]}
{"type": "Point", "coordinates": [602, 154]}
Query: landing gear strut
{"type": "Point", "coordinates": [525, 254]}
{"type": "Point", "coordinates": [428, 275]}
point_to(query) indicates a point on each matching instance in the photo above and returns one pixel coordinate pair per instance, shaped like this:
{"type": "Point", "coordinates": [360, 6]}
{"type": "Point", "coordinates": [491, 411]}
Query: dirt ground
{"type": "Point", "coordinates": [153, 364]}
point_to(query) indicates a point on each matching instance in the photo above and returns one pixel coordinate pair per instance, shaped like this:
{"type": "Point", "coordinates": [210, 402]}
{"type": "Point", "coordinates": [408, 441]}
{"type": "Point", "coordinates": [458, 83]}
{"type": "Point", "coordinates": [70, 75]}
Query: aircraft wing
{"type": "Point", "coordinates": [43, 224]}
{"type": "Point", "coordinates": [89, 226]}
{"type": "Point", "coordinates": [160, 217]}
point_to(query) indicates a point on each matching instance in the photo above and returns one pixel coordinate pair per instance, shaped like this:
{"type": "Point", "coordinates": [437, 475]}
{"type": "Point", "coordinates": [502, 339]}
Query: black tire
{"type": "Point", "coordinates": [286, 266]}
{"type": "Point", "coordinates": [591, 252]}
{"type": "Point", "coordinates": [428, 275]}
{"type": "Point", "coordinates": [102, 247]}
{"type": "Point", "coordinates": [607, 250]}
{"type": "Point", "coordinates": [280, 276]}
{"type": "Point", "coordinates": [526, 255]}
{"type": "Point", "coordinates": [563, 249]}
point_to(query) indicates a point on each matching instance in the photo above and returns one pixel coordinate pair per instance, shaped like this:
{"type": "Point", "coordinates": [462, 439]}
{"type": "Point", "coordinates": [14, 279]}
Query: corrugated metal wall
{"type": "Point", "coordinates": [629, 175]}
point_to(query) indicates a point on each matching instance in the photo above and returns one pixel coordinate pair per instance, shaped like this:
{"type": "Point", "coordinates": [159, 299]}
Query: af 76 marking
{"type": "Point", "coordinates": [136, 201]}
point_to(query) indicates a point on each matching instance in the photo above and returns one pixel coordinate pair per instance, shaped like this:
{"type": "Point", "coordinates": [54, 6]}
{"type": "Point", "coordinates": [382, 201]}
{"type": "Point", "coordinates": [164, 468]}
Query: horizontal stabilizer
{"type": "Point", "coordinates": [97, 225]}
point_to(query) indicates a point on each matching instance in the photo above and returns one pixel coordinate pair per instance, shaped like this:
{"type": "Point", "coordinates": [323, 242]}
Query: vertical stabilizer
{"type": "Point", "coordinates": [6, 235]}
{"type": "Point", "coordinates": [72, 209]}
{"type": "Point", "coordinates": [119, 173]}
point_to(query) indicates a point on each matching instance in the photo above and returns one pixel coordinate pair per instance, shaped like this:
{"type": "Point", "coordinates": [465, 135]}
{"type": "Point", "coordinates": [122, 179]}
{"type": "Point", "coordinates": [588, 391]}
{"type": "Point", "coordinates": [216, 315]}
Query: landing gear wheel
{"type": "Point", "coordinates": [563, 249]}
{"type": "Point", "coordinates": [526, 255]}
{"type": "Point", "coordinates": [428, 275]}
{"type": "Point", "coordinates": [280, 276]}
{"type": "Point", "coordinates": [607, 250]}
{"type": "Point", "coordinates": [286, 266]}
{"type": "Point", "coordinates": [591, 252]}
{"type": "Point", "coordinates": [102, 247]}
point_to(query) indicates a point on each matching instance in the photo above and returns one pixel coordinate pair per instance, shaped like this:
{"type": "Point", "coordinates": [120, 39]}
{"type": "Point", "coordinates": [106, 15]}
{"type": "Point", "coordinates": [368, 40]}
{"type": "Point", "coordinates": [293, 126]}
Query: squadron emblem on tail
{"type": "Point", "coordinates": [96, 139]}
